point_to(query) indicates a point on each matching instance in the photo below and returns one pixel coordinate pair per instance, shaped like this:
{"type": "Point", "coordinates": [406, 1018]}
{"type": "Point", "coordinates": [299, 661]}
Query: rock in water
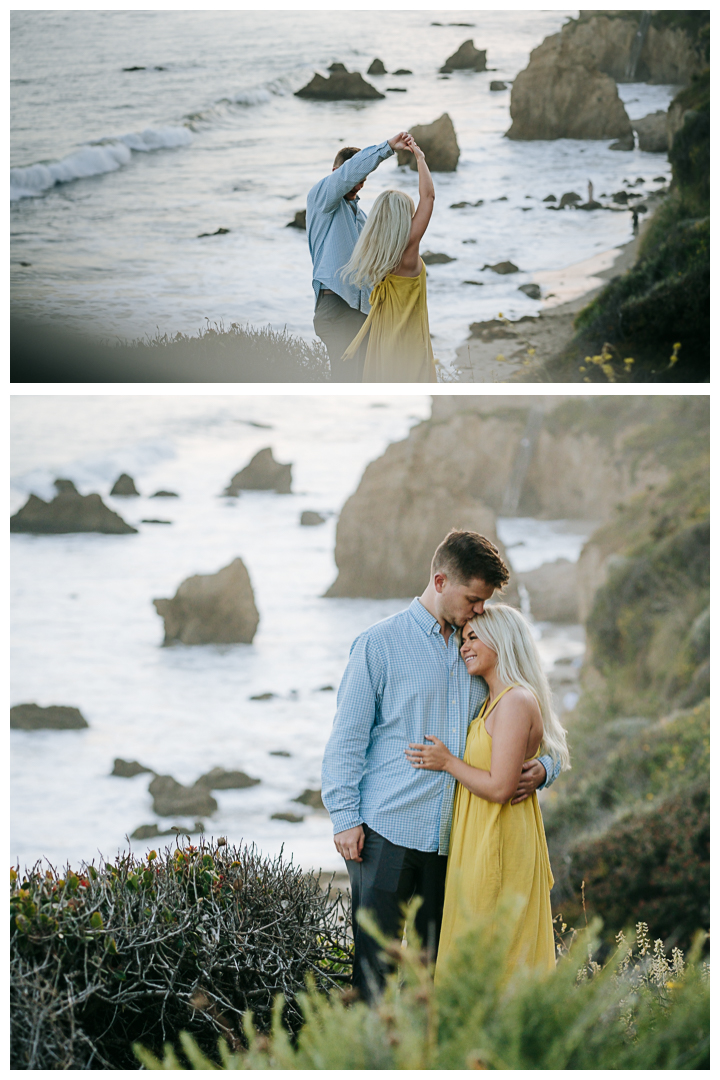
{"type": "Point", "coordinates": [436, 258]}
{"type": "Point", "coordinates": [211, 609]}
{"type": "Point", "coordinates": [532, 290]}
{"type": "Point", "coordinates": [219, 779]}
{"type": "Point", "coordinates": [341, 86]}
{"type": "Point", "coordinates": [439, 144]}
{"type": "Point", "coordinates": [65, 485]}
{"type": "Point", "coordinates": [505, 267]}
{"type": "Point", "coordinates": [496, 84]}
{"type": "Point", "coordinates": [311, 517]}
{"type": "Point", "coordinates": [558, 96]}
{"type": "Point", "coordinates": [553, 591]}
{"type": "Point", "coordinates": [170, 797]}
{"type": "Point", "coordinates": [124, 485]}
{"type": "Point", "coordinates": [569, 199]}
{"type": "Point", "coordinates": [336, 67]}
{"type": "Point", "coordinates": [69, 512]}
{"type": "Point", "coordinates": [652, 132]}
{"type": "Point", "coordinates": [299, 221]}
{"type": "Point", "coordinates": [165, 495]}
{"type": "Point", "coordinates": [263, 473]}
{"type": "Point", "coordinates": [311, 797]}
{"type": "Point", "coordinates": [626, 143]}
{"type": "Point", "coordinates": [467, 58]}
{"type": "Point", "coordinates": [56, 717]}
{"type": "Point", "coordinates": [294, 819]}
{"type": "Point", "coordinates": [128, 768]}
{"type": "Point", "coordinates": [377, 68]}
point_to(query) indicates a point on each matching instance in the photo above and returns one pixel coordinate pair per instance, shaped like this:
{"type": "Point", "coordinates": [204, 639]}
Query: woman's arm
{"type": "Point", "coordinates": [509, 747]}
{"type": "Point", "coordinates": [410, 262]}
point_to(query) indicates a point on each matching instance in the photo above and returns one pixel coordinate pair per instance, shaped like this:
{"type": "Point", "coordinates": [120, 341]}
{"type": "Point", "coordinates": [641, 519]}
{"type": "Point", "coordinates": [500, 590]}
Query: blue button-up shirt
{"type": "Point", "coordinates": [402, 682]}
{"type": "Point", "coordinates": [334, 224]}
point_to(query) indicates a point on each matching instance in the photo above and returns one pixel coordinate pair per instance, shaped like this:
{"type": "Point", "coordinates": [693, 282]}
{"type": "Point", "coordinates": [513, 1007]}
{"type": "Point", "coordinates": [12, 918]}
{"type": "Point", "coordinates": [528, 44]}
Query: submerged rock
{"type": "Point", "coordinates": [402, 71]}
{"type": "Point", "coordinates": [218, 232]}
{"type": "Point", "coordinates": [263, 473]}
{"type": "Point", "coordinates": [124, 485]}
{"type": "Point", "coordinates": [467, 58]}
{"type": "Point", "coordinates": [497, 84]}
{"type": "Point", "coordinates": [342, 85]}
{"type": "Point", "coordinates": [170, 797]}
{"type": "Point", "coordinates": [33, 717]}
{"type": "Point", "coordinates": [69, 512]}
{"type": "Point", "coordinates": [436, 258]}
{"type": "Point", "coordinates": [439, 144]}
{"type": "Point", "coordinates": [219, 779]}
{"type": "Point", "coordinates": [294, 819]}
{"type": "Point", "coordinates": [569, 198]}
{"type": "Point", "coordinates": [531, 289]}
{"type": "Point", "coordinates": [377, 68]}
{"type": "Point", "coordinates": [505, 267]}
{"type": "Point", "coordinates": [311, 797]}
{"type": "Point", "coordinates": [299, 221]}
{"type": "Point", "coordinates": [211, 609]}
{"type": "Point", "coordinates": [559, 96]}
{"type": "Point", "coordinates": [311, 517]}
{"type": "Point", "coordinates": [165, 495]}
{"type": "Point", "coordinates": [128, 768]}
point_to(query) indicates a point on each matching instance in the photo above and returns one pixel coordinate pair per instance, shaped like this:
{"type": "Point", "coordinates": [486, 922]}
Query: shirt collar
{"type": "Point", "coordinates": [427, 622]}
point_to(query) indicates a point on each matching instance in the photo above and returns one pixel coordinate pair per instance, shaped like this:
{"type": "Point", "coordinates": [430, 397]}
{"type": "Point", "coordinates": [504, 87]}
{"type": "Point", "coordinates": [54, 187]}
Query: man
{"type": "Point", "coordinates": [334, 223]}
{"type": "Point", "coordinates": [405, 679]}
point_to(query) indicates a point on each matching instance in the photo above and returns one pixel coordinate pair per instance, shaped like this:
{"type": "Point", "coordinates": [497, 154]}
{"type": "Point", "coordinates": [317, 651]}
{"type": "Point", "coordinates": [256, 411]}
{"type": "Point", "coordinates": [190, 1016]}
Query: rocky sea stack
{"type": "Point", "coordinates": [53, 717]}
{"type": "Point", "coordinates": [263, 473]}
{"type": "Point", "coordinates": [438, 142]}
{"type": "Point", "coordinates": [467, 58]}
{"type": "Point", "coordinates": [69, 512]}
{"type": "Point", "coordinates": [124, 485]}
{"type": "Point", "coordinates": [340, 86]}
{"type": "Point", "coordinates": [211, 609]}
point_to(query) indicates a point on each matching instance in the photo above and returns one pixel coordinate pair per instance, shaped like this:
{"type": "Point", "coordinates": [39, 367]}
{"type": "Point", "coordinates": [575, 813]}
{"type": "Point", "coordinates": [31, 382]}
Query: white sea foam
{"type": "Point", "coordinates": [101, 156]}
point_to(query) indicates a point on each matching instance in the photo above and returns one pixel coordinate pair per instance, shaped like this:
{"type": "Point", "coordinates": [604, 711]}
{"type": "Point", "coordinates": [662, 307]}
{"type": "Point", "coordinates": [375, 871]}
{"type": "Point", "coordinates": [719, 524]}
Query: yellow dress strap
{"type": "Point", "coordinates": [485, 711]}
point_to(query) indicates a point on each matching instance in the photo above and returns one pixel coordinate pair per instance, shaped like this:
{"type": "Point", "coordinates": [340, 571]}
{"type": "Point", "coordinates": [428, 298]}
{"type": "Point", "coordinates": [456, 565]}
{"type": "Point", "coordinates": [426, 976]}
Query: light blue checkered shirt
{"type": "Point", "coordinates": [402, 682]}
{"type": "Point", "coordinates": [334, 225]}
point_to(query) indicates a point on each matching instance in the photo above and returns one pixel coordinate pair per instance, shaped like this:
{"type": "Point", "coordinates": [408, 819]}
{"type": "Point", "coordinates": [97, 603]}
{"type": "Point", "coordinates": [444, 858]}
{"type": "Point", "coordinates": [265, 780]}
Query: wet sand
{"type": "Point", "coordinates": [508, 351]}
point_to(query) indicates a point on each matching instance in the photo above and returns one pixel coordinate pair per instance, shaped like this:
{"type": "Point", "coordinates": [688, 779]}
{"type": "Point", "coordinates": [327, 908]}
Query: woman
{"type": "Point", "coordinates": [498, 854]}
{"type": "Point", "coordinates": [387, 256]}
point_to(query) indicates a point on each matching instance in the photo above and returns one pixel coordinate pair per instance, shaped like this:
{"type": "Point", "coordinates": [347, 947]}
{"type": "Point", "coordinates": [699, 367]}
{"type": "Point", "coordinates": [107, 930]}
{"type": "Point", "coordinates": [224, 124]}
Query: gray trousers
{"type": "Point", "coordinates": [336, 324]}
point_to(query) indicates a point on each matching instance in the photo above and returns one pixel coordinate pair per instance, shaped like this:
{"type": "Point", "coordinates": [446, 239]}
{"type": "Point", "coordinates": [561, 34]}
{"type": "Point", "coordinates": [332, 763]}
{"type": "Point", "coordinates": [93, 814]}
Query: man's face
{"type": "Point", "coordinates": [351, 194]}
{"type": "Point", "coordinates": [460, 601]}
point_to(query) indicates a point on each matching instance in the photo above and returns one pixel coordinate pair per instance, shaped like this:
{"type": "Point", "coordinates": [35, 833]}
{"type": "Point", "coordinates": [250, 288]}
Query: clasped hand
{"type": "Point", "coordinates": [434, 757]}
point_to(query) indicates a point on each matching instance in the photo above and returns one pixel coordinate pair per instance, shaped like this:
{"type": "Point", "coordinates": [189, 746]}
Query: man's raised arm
{"type": "Point", "coordinates": [331, 189]}
{"type": "Point", "coordinates": [344, 760]}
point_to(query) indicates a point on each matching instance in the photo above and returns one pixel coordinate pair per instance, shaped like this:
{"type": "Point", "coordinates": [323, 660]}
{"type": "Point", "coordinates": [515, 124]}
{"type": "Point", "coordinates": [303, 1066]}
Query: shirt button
{"type": "Point", "coordinates": [453, 702]}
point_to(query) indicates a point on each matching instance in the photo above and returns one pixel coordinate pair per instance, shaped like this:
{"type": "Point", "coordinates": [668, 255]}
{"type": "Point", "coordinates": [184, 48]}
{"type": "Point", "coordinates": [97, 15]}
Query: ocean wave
{"type": "Point", "coordinates": [98, 157]}
{"type": "Point", "coordinates": [96, 473]}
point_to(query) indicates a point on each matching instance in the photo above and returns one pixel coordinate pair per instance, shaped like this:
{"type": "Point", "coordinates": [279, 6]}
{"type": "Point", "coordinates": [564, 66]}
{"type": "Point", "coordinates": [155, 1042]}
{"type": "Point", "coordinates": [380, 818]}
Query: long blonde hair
{"type": "Point", "coordinates": [383, 241]}
{"type": "Point", "coordinates": [504, 630]}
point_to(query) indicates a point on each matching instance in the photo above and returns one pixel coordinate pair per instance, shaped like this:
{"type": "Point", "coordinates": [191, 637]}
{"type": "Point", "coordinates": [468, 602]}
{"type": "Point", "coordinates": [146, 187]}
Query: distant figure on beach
{"type": "Point", "coordinates": [635, 220]}
{"type": "Point", "coordinates": [334, 223]}
{"type": "Point", "coordinates": [387, 257]}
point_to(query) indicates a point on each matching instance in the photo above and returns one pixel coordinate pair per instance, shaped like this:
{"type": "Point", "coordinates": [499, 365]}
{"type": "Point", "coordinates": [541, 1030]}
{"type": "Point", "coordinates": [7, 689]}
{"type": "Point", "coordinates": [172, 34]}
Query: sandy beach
{"type": "Point", "coordinates": [505, 351]}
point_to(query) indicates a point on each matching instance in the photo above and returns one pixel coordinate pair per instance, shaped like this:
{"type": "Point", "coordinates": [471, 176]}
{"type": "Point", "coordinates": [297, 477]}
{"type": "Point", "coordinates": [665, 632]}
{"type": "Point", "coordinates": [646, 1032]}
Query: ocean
{"type": "Point", "coordinates": [84, 631]}
{"type": "Point", "coordinates": [115, 173]}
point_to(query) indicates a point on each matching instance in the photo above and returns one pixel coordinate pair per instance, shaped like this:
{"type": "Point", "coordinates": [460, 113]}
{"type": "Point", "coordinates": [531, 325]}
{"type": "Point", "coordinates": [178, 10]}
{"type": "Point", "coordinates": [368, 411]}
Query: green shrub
{"type": "Point", "coordinates": [142, 949]}
{"type": "Point", "coordinates": [641, 1011]}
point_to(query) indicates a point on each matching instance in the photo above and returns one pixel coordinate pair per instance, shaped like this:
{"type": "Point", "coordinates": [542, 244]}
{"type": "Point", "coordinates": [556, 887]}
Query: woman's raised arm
{"type": "Point", "coordinates": [410, 262]}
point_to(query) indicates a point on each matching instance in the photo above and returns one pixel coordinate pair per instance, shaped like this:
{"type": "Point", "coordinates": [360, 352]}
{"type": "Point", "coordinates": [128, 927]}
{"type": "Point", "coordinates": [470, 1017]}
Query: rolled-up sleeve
{"type": "Point", "coordinates": [552, 770]}
{"type": "Point", "coordinates": [329, 191]}
{"type": "Point", "coordinates": [359, 698]}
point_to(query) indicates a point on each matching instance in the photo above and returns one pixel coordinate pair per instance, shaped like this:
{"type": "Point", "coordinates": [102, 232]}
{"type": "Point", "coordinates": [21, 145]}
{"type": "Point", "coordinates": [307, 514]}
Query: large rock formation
{"type": "Point", "coordinates": [459, 468]}
{"type": "Point", "coordinates": [553, 593]}
{"type": "Point", "coordinates": [467, 58]}
{"type": "Point", "coordinates": [439, 144]}
{"type": "Point", "coordinates": [211, 609]}
{"type": "Point", "coordinates": [559, 96]}
{"type": "Point", "coordinates": [652, 132]}
{"type": "Point", "coordinates": [170, 798]}
{"type": "Point", "coordinates": [124, 485]}
{"type": "Point", "coordinates": [69, 512]}
{"type": "Point", "coordinates": [263, 473]}
{"type": "Point", "coordinates": [377, 68]}
{"type": "Point", "coordinates": [340, 86]}
{"type": "Point", "coordinates": [55, 717]}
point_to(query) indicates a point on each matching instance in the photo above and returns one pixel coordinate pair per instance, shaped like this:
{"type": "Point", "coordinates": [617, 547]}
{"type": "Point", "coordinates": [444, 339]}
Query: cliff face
{"type": "Point", "coordinates": [456, 470]}
{"type": "Point", "coordinates": [669, 54]}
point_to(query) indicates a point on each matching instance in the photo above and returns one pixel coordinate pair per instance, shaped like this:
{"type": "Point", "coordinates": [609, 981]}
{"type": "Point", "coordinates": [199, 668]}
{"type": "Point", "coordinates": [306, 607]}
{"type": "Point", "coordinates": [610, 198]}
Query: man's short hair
{"type": "Point", "coordinates": [463, 556]}
{"type": "Point", "coordinates": [344, 155]}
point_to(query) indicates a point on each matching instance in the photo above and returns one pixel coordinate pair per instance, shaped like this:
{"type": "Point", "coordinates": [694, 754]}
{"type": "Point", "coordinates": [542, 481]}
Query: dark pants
{"type": "Point", "coordinates": [388, 877]}
{"type": "Point", "coordinates": [336, 323]}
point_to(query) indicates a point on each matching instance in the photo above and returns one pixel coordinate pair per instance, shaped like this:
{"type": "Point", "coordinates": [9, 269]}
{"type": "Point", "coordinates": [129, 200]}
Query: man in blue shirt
{"type": "Point", "coordinates": [405, 679]}
{"type": "Point", "coordinates": [334, 223]}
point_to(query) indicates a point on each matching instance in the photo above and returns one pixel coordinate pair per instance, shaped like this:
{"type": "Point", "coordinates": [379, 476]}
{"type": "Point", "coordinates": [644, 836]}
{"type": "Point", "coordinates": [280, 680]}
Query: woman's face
{"type": "Point", "coordinates": [479, 658]}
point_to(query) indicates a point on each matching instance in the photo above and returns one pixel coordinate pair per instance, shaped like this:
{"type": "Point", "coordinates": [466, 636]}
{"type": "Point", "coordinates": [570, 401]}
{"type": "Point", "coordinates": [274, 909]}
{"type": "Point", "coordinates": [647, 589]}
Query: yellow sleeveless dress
{"type": "Point", "coordinates": [399, 348]}
{"type": "Point", "coordinates": [497, 853]}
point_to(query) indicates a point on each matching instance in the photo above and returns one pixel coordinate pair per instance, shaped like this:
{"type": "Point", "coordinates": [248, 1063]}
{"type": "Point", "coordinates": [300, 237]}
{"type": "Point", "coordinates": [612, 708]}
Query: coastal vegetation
{"type": "Point", "coordinates": [141, 949]}
{"type": "Point", "coordinates": [652, 324]}
{"type": "Point", "coordinates": [631, 820]}
{"type": "Point", "coordinates": [641, 1010]}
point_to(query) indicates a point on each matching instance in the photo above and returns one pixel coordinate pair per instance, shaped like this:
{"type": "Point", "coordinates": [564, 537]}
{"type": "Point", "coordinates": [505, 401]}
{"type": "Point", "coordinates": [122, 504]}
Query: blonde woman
{"type": "Point", "coordinates": [498, 854]}
{"type": "Point", "coordinates": [387, 257]}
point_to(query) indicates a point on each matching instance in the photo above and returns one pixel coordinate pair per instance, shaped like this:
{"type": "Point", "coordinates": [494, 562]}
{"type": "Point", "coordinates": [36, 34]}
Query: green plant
{"type": "Point", "coordinates": [143, 948]}
{"type": "Point", "coordinates": [640, 1010]}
